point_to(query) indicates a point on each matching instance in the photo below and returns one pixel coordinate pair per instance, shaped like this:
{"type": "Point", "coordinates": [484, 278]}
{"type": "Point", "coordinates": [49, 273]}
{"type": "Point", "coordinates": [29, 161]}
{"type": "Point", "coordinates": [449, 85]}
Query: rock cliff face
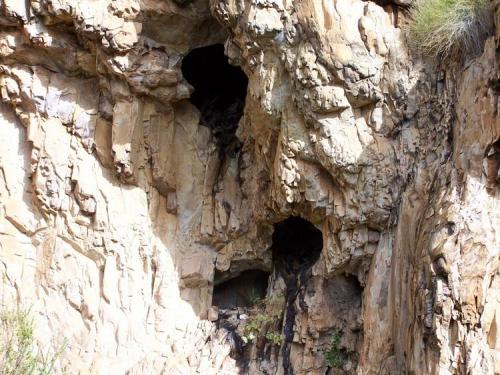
{"type": "Point", "coordinates": [260, 186]}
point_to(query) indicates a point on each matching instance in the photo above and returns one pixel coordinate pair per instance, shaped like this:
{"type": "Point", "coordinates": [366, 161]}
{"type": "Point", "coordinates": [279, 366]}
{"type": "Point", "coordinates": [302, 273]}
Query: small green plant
{"type": "Point", "coordinates": [450, 28]}
{"type": "Point", "coordinates": [254, 325]}
{"type": "Point", "coordinates": [20, 354]}
{"type": "Point", "coordinates": [276, 338]}
{"type": "Point", "coordinates": [264, 320]}
{"type": "Point", "coordinates": [334, 356]}
{"type": "Point", "coordinates": [258, 324]}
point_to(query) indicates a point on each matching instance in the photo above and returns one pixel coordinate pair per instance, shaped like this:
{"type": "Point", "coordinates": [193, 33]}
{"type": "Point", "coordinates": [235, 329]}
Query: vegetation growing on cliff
{"type": "Point", "coordinates": [20, 354]}
{"type": "Point", "coordinates": [265, 322]}
{"type": "Point", "coordinates": [450, 28]}
{"type": "Point", "coordinates": [335, 357]}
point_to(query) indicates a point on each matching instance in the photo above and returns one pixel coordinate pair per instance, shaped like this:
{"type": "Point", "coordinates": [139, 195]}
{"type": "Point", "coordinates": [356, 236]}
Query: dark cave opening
{"type": "Point", "coordinates": [492, 166]}
{"type": "Point", "coordinates": [244, 290]}
{"type": "Point", "coordinates": [297, 245]}
{"type": "Point", "coordinates": [219, 92]}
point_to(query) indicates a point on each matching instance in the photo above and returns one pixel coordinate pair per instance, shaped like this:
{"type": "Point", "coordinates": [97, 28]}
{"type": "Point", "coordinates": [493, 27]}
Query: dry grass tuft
{"type": "Point", "coordinates": [450, 28]}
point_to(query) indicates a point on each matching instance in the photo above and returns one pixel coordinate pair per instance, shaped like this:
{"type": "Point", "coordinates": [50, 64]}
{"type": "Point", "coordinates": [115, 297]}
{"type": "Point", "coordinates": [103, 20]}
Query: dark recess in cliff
{"type": "Point", "coordinates": [219, 93]}
{"type": "Point", "coordinates": [297, 244]}
{"type": "Point", "coordinates": [243, 290]}
{"type": "Point", "coordinates": [492, 167]}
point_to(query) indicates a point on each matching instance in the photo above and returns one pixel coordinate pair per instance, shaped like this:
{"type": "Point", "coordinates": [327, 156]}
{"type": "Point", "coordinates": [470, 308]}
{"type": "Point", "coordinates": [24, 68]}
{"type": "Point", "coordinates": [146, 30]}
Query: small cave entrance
{"type": "Point", "coordinates": [219, 92]}
{"type": "Point", "coordinates": [244, 290]}
{"type": "Point", "coordinates": [492, 166]}
{"type": "Point", "coordinates": [297, 245]}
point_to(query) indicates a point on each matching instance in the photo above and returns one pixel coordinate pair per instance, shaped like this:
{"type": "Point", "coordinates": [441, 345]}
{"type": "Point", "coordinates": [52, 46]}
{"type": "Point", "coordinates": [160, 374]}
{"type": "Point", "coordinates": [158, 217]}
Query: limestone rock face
{"type": "Point", "coordinates": [121, 215]}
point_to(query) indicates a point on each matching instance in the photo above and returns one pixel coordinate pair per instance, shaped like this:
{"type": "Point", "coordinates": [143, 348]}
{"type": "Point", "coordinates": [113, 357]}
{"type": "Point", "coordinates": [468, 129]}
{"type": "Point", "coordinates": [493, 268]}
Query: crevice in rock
{"type": "Point", "coordinates": [219, 93]}
{"type": "Point", "coordinates": [244, 290]}
{"type": "Point", "coordinates": [492, 167]}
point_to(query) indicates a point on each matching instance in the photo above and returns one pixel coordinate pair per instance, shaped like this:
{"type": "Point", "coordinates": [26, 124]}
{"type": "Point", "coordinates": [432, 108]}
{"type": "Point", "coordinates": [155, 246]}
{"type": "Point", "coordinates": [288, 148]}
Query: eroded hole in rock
{"type": "Point", "coordinates": [342, 297]}
{"type": "Point", "coordinates": [244, 290]}
{"type": "Point", "coordinates": [492, 166]}
{"type": "Point", "coordinates": [344, 294]}
{"type": "Point", "coordinates": [219, 92]}
{"type": "Point", "coordinates": [297, 246]}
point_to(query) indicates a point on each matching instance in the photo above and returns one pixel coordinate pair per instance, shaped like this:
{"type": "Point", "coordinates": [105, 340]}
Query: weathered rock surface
{"type": "Point", "coordinates": [118, 209]}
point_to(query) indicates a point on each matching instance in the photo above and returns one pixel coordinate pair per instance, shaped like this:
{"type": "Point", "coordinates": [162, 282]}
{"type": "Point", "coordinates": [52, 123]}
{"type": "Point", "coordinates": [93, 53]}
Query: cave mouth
{"type": "Point", "coordinates": [492, 166]}
{"type": "Point", "coordinates": [243, 290]}
{"type": "Point", "coordinates": [219, 92]}
{"type": "Point", "coordinates": [297, 245]}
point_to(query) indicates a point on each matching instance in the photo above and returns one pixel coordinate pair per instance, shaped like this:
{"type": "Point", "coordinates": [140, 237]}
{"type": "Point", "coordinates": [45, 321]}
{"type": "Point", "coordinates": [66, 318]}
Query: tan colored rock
{"type": "Point", "coordinates": [120, 218]}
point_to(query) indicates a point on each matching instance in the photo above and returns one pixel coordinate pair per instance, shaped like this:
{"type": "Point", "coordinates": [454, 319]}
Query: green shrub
{"type": "Point", "coordinates": [334, 356]}
{"type": "Point", "coordinates": [264, 321]}
{"type": "Point", "coordinates": [254, 325]}
{"type": "Point", "coordinates": [276, 338]}
{"type": "Point", "coordinates": [450, 28]}
{"type": "Point", "coordinates": [20, 354]}
{"type": "Point", "coordinates": [257, 326]}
